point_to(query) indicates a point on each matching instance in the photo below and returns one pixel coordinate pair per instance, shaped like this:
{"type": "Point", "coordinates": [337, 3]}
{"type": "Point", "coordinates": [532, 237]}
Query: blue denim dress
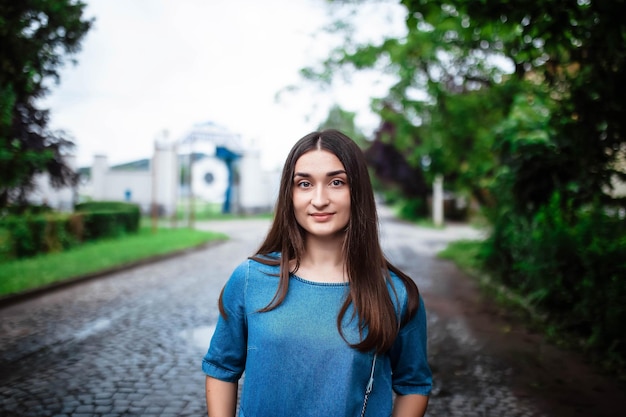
{"type": "Point", "coordinates": [296, 362]}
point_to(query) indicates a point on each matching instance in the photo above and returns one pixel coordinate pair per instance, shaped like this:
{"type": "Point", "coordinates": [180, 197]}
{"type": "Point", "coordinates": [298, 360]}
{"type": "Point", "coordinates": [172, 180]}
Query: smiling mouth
{"type": "Point", "coordinates": [321, 216]}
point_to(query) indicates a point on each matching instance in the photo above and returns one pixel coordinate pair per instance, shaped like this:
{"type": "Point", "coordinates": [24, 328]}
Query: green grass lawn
{"type": "Point", "coordinates": [26, 274]}
{"type": "Point", "coordinates": [464, 253]}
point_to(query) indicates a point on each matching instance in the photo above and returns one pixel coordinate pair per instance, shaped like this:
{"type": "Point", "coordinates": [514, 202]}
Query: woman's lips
{"type": "Point", "coordinates": [320, 217]}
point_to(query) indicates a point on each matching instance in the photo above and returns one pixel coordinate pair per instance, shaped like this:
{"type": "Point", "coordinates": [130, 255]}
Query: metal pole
{"type": "Point", "coordinates": [191, 194]}
{"type": "Point", "coordinates": [176, 179]}
{"type": "Point", "coordinates": [154, 187]}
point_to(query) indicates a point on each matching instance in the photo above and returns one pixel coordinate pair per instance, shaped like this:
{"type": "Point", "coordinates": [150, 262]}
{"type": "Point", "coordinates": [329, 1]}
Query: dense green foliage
{"type": "Point", "coordinates": [520, 106]}
{"type": "Point", "coordinates": [30, 234]}
{"type": "Point", "coordinates": [107, 219]}
{"type": "Point", "coordinates": [344, 121]}
{"type": "Point", "coordinates": [35, 37]}
{"type": "Point", "coordinates": [570, 263]}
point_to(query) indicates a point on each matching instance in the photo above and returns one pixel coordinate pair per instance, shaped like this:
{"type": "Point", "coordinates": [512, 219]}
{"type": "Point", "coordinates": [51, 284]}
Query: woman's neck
{"type": "Point", "coordinates": [323, 261]}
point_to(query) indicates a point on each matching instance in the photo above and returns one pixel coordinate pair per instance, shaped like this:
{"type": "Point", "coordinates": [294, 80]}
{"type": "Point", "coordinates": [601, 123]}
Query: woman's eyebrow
{"type": "Point", "coordinates": [328, 174]}
{"type": "Point", "coordinates": [333, 173]}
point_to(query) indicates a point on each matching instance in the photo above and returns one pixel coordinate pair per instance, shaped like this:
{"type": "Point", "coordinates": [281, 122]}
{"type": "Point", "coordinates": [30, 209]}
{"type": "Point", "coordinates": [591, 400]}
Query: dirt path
{"type": "Point", "coordinates": [485, 362]}
{"type": "Point", "coordinates": [560, 383]}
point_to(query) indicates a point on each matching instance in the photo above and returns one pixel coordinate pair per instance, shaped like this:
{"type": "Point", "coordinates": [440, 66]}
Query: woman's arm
{"type": "Point", "coordinates": [221, 398]}
{"type": "Point", "coordinates": [411, 405]}
{"type": "Point", "coordinates": [411, 374]}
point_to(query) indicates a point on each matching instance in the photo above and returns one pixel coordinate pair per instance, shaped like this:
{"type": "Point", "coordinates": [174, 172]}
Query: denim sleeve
{"type": "Point", "coordinates": [409, 358]}
{"type": "Point", "coordinates": [226, 357]}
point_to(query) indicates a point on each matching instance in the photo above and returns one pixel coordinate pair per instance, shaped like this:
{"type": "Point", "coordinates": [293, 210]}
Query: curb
{"type": "Point", "coordinates": [11, 299]}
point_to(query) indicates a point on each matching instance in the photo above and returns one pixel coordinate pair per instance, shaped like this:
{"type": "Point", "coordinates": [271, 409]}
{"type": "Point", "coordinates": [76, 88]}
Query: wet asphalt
{"type": "Point", "coordinates": [131, 342]}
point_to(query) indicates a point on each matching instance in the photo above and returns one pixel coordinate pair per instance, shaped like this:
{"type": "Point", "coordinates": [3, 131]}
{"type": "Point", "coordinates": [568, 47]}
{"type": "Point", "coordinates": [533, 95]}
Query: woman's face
{"type": "Point", "coordinates": [321, 194]}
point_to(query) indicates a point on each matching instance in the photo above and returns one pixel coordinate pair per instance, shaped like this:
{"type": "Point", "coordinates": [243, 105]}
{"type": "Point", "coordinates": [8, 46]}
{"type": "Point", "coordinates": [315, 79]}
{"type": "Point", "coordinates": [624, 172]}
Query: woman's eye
{"type": "Point", "coordinates": [304, 184]}
{"type": "Point", "coordinates": [337, 183]}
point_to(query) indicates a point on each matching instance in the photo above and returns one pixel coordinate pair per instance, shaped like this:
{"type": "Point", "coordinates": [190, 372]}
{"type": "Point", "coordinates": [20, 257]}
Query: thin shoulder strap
{"type": "Point", "coordinates": [370, 385]}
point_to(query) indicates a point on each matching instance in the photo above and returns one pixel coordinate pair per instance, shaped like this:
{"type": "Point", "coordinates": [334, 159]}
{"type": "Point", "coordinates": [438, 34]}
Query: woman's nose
{"type": "Point", "coordinates": [320, 198]}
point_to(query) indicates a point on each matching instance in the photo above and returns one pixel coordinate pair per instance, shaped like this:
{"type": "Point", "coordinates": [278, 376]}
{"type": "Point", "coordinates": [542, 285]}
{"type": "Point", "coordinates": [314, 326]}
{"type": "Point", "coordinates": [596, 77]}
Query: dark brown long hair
{"type": "Point", "coordinates": [367, 267]}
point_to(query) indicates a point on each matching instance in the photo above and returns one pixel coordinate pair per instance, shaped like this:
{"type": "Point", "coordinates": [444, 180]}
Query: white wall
{"type": "Point", "coordinates": [129, 186]}
{"type": "Point", "coordinates": [165, 170]}
{"type": "Point", "coordinates": [258, 189]}
{"type": "Point", "coordinates": [61, 199]}
{"type": "Point", "coordinates": [159, 184]}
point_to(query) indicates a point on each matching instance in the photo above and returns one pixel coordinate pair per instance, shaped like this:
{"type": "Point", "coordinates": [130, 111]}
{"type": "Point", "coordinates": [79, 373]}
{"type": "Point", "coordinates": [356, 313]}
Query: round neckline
{"type": "Point", "coordinates": [319, 283]}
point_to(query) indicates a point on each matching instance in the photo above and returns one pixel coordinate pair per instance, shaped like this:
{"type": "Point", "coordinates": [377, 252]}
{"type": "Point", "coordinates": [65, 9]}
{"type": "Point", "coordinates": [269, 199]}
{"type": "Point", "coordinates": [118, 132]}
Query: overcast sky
{"type": "Point", "coordinates": [149, 66]}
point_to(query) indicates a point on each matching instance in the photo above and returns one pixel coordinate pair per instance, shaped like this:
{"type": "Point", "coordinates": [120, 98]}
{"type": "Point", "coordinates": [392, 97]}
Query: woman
{"type": "Point", "coordinates": [319, 320]}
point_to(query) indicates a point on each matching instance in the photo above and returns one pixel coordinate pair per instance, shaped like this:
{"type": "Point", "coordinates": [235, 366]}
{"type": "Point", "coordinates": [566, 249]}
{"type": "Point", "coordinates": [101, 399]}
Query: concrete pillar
{"type": "Point", "coordinates": [99, 170]}
{"type": "Point", "coordinates": [165, 175]}
{"type": "Point", "coordinates": [438, 200]}
{"type": "Point", "coordinates": [253, 191]}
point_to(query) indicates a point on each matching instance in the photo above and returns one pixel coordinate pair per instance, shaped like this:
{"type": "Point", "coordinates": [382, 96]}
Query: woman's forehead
{"type": "Point", "coordinates": [318, 160]}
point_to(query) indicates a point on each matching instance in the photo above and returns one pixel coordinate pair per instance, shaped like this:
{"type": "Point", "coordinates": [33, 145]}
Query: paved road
{"type": "Point", "coordinates": [468, 382]}
{"type": "Point", "coordinates": [131, 343]}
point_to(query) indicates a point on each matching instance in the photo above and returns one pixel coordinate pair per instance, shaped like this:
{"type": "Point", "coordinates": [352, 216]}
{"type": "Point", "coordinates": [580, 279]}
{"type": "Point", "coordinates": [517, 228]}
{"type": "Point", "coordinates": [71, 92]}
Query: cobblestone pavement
{"type": "Point", "coordinates": [131, 343]}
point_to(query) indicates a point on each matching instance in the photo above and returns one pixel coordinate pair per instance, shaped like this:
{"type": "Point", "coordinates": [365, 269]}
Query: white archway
{"type": "Point", "coordinates": [215, 140]}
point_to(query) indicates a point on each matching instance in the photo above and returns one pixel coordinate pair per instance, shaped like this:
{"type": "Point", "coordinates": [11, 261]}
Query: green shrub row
{"type": "Point", "coordinates": [568, 261]}
{"type": "Point", "coordinates": [29, 235]}
{"type": "Point", "coordinates": [109, 218]}
{"type": "Point", "coordinates": [32, 234]}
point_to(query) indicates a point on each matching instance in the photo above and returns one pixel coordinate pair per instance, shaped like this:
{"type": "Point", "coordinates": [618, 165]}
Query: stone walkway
{"type": "Point", "coordinates": [131, 343]}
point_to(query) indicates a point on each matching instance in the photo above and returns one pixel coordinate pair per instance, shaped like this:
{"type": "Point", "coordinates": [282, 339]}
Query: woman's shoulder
{"type": "Point", "coordinates": [261, 264]}
{"type": "Point", "coordinates": [397, 284]}
{"type": "Point", "coordinates": [251, 269]}
{"type": "Point", "coordinates": [402, 290]}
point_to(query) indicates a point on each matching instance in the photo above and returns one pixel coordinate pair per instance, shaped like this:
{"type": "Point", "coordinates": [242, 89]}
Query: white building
{"type": "Point", "coordinates": [61, 199]}
{"type": "Point", "coordinates": [146, 182]}
{"type": "Point", "coordinates": [223, 171]}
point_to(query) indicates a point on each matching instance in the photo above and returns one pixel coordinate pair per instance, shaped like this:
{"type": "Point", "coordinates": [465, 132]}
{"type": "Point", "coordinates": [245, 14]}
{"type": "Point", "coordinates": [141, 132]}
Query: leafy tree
{"type": "Point", "coordinates": [446, 99]}
{"type": "Point", "coordinates": [35, 37]}
{"type": "Point", "coordinates": [539, 144]}
{"type": "Point", "coordinates": [571, 58]}
{"type": "Point", "coordinates": [396, 173]}
{"type": "Point", "coordinates": [566, 57]}
{"type": "Point", "coordinates": [557, 234]}
{"type": "Point", "coordinates": [344, 121]}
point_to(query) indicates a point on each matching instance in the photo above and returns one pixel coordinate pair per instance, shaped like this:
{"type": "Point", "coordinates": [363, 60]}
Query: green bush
{"type": "Point", "coordinates": [30, 234]}
{"type": "Point", "coordinates": [27, 209]}
{"type": "Point", "coordinates": [26, 233]}
{"type": "Point", "coordinates": [569, 262]}
{"type": "Point", "coordinates": [6, 245]}
{"type": "Point", "coordinates": [407, 208]}
{"type": "Point", "coordinates": [105, 205]}
{"type": "Point", "coordinates": [108, 218]}
{"type": "Point", "coordinates": [411, 209]}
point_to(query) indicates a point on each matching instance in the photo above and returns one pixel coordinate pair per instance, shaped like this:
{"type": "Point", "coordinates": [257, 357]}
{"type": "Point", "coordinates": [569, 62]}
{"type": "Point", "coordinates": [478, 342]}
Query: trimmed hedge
{"type": "Point", "coordinates": [29, 235]}
{"type": "Point", "coordinates": [108, 218]}
{"type": "Point", "coordinates": [32, 234]}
